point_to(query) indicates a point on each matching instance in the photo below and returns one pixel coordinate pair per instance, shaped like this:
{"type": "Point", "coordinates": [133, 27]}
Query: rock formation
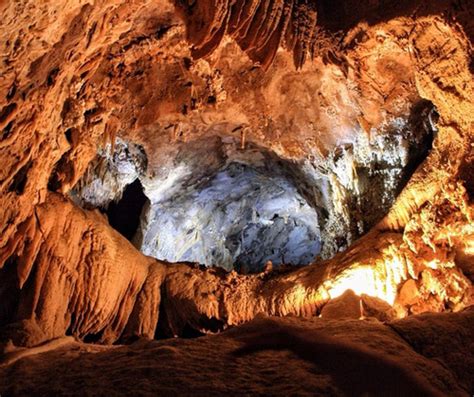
{"type": "Point", "coordinates": [292, 149]}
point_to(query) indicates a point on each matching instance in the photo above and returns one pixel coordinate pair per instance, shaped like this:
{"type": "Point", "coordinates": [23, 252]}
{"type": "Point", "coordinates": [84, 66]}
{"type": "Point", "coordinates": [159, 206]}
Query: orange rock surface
{"type": "Point", "coordinates": [294, 77]}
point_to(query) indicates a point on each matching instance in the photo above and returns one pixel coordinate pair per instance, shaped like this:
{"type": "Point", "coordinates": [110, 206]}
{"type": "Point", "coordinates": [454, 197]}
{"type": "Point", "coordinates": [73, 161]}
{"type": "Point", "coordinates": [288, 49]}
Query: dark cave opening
{"type": "Point", "coordinates": [9, 290]}
{"type": "Point", "coordinates": [199, 327]}
{"type": "Point", "coordinates": [417, 135]}
{"type": "Point", "coordinates": [422, 130]}
{"type": "Point", "coordinates": [124, 215]}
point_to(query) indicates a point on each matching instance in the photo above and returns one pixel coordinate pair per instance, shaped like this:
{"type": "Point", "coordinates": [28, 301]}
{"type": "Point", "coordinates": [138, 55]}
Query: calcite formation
{"type": "Point", "coordinates": [360, 115]}
{"type": "Point", "coordinates": [215, 202]}
{"type": "Point", "coordinates": [259, 27]}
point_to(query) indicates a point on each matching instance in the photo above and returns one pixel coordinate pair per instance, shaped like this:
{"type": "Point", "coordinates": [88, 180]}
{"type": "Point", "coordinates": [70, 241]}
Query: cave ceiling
{"type": "Point", "coordinates": [350, 121]}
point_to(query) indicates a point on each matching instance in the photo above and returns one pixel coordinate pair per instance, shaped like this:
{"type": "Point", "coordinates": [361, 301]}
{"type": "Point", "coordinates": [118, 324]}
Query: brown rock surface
{"type": "Point", "coordinates": [92, 74]}
{"type": "Point", "coordinates": [75, 76]}
{"type": "Point", "coordinates": [277, 356]}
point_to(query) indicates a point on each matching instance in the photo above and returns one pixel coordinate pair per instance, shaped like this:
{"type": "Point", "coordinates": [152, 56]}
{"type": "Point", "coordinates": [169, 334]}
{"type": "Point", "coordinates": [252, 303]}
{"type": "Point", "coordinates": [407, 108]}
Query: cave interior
{"type": "Point", "coordinates": [247, 197]}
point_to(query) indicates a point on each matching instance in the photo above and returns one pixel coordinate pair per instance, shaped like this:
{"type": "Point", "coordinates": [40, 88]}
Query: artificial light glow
{"type": "Point", "coordinates": [469, 246]}
{"type": "Point", "coordinates": [378, 280]}
{"type": "Point", "coordinates": [362, 280]}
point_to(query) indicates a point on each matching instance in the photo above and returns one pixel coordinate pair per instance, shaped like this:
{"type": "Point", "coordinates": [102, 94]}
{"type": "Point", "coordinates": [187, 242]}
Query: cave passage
{"type": "Point", "coordinates": [241, 217]}
{"type": "Point", "coordinates": [207, 202]}
{"type": "Point", "coordinates": [124, 215]}
{"type": "Point", "coordinates": [211, 202]}
{"type": "Point", "coordinates": [288, 185]}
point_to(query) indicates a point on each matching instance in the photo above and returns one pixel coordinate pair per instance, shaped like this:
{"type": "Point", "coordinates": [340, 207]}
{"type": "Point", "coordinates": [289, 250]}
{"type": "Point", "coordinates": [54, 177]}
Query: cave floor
{"type": "Point", "coordinates": [430, 354]}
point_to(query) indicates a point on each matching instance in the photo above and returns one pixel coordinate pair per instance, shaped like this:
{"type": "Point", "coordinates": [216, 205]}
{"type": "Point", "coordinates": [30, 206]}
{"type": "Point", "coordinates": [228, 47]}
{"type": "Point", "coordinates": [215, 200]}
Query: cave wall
{"type": "Point", "coordinates": [75, 76]}
{"type": "Point", "coordinates": [62, 289]}
{"type": "Point", "coordinates": [80, 277]}
{"type": "Point", "coordinates": [210, 200]}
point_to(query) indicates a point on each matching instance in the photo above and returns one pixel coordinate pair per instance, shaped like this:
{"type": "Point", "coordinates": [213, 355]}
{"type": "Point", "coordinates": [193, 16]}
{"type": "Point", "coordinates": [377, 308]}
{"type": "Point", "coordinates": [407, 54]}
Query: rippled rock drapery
{"type": "Point", "coordinates": [82, 74]}
{"type": "Point", "coordinates": [258, 27]}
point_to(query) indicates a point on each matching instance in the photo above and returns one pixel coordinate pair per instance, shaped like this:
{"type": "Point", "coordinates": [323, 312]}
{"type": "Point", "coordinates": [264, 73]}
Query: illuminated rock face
{"type": "Point", "coordinates": [228, 207]}
{"type": "Point", "coordinates": [242, 217]}
{"type": "Point", "coordinates": [218, 204]}
{"type": "Point", "coordinates": [120, 79]}
{"type": "Point", "coordinates": [114, 169]}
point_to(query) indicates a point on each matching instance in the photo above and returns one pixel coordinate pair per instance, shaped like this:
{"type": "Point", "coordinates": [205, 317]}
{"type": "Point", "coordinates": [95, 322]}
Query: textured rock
{"type": "Point", "coordinates": [282, 355]}
{"type": "Point", "coordinates": [409, 293]}
{"type": "Point", "coordinates": [444, 339]}
{"type": "Point", "coordinates": [107, 176]}
{"type": "Point", "coordinates": [348, 305]}
{"type": "Point", "coordinates": [78, 276]}
{"type": "Point", "coordinates": [76, 75]}
{"type": "Point", "coordinates": [242, 217]}
{"type": "Point", "coordinates": [195, 195]}
{"type": "Point", "coordinates": [259, 27]}
{"type": "Point", "coordinates": [81, 277]}
{"type": "Point", "coordinates": [351, 306]}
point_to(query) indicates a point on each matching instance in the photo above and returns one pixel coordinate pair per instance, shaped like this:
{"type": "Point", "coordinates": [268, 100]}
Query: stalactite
{"type": "Point", "coordinates": [120, 65]}
{"type": "Point", "coordinates": [259, 27]}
